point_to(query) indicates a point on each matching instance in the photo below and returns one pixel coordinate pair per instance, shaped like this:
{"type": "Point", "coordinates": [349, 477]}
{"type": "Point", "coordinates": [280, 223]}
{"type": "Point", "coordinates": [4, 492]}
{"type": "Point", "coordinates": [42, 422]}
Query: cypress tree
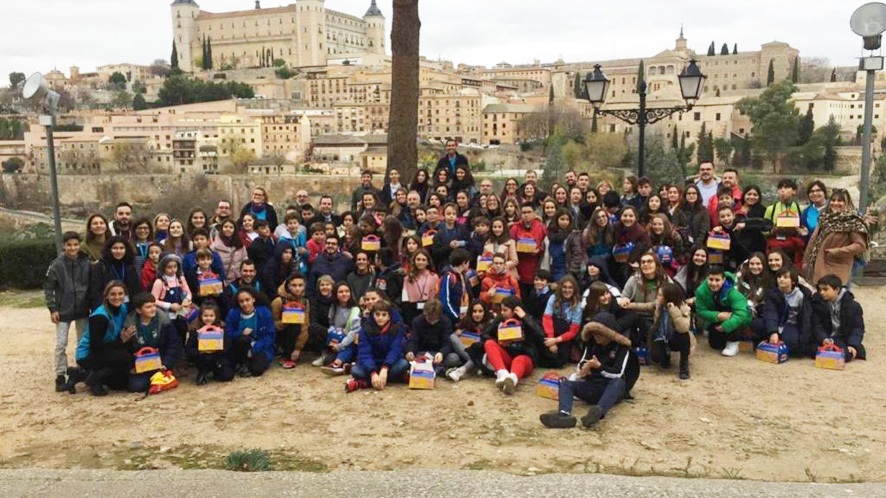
{"type": "Point", "coordinates": [641, 77]}
{"type": "Point", "coordinates": [551, 96]}
{"type": "Point", "coordinates": [711, 50]}
{"type": "Point", "coordinates": [675, 144]}
{"type": "Point", "coordinates": [209, 53]}
{"type": "Point", "coordinates": [770, 77]}
{"type": "Point", "coordinates": [173, 59]}
{"type": "Point", "coordinates": [834, 75]}
{"type": "Point", "coordinates": [724, 50]}
{"type": "Point", "coordinates": [576, 86]}
{"type": "Point", "coordinates": [735, 49]}
{"type": "Point", "coordinates": [204, 52]}
{"type": "Point", "coordinates": [807, 126]}
{"type": "Point", "coordinates": [795, 73]}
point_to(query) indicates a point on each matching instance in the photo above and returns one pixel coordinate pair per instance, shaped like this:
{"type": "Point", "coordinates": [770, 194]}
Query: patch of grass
{"type": "Point", "coordinates": [481, 464]}
{"type": "Point", "coordinates": [732, 473]}
{"type": "Point", "coordinates": [22, 299]}
{"type": "Point", "coordinates": [299, 464]}
{"type": "Point", "coordinates": [254, 460]}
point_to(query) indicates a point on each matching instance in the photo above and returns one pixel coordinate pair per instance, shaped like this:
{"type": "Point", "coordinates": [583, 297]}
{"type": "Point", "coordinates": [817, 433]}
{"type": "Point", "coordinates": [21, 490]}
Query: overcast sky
{"type": "Point", "coordinates": [43, 34]}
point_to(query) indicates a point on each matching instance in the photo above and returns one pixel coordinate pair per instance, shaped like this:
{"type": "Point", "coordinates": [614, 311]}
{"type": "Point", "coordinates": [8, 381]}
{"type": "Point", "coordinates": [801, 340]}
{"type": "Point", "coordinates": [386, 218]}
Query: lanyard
{"type": "Point", "coordinates": [122, 278]}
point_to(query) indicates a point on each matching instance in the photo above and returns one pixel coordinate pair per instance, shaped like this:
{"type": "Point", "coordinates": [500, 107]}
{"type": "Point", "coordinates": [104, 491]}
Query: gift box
{"type": "Point", "coordinates": [293, 314]}
{"type": "Point", "coordinates": [500, 294]}
{"type": "Point", "coordinates": [483, 263]}
{"type": "Point", "coordinates": [715, 257]}
{"type": "Point", "coordinates": [772, 353]}
{"type": "Point", "coordinates": [472, 278]}
{"type": "Point", "coordinates": [370, 243]}
{"type": "Point", "coordinates": [336, 334]}
{"type": "Point", "coordinates": [526, 245]}
{"type": "Point", "coordinates": [147, 360]}
{"type": "Point", "coordinates": [210, 339]}
{"type": "Point", "coordinates": [427, 240]}
{"type": "Point", "coordinates": [421, 375]}
{"type": "Point", "coordinates": [510, 331]}
{"type": "Point", "coordinates": [210, 286]}
{"type": "Point", "coordinates": [787, 219]}
{"type": "Point", "coordinates": [830, 357]}
{"type": "Point", "coordinates": [622, 252]}
{"type": "Point", "coordinates": [665, 254]}
{"type": "Point", "coordinates": [549, 386]}
{"type": "Point", "coordinates": [745, 346]}
{"type": "Point", "coordinates": [469, 338]}
{"type": "Point", "coordinates": [719, 241]}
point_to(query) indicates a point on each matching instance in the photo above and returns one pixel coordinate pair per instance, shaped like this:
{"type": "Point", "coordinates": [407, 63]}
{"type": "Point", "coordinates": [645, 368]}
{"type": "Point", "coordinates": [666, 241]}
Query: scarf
{"type": "Point", "coordinates": [830, 222]}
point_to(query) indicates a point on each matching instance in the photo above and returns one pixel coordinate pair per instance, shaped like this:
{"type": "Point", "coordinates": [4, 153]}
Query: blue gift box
{"type": "Point", "coordinates": [772, 353]}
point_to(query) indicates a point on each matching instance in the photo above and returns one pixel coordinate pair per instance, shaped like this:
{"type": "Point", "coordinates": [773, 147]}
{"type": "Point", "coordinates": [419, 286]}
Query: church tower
{"type": "Point", "coordinates": [681, 45]}
{"type": "Point", "coordinates": [310, 17]}
{"type": "Point", "coordinates": [375, 29]}
{"type": "Point", "coordinates": [184, 30]}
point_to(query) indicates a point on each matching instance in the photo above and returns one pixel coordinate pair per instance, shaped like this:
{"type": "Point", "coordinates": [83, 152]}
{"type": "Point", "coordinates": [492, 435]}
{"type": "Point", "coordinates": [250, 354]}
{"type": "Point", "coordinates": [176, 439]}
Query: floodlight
{"type": "Point", "coordinates": [36, 88]}
{"type": "Point", "coordinates": [869, 22]}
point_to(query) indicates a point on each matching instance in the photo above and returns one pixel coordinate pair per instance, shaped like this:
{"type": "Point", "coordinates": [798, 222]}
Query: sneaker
{"type": "Point", "coordinates": [594, 415]}
{"type": "Point", "coordinates": [731, 349]}
{"type": "Point", "coordinates": [287, 364]}
{"type": "Point", "coordinates": [500, 377]}
{"type": "Point", "coordinates": [557, 420]}
{"type": "Point", "coordinates": [318, 362]}
{"type": "Point", "coordinates": [510, 384]}
{"type": "Point", "coordinates": [61, 385]}
{"type": "Point", "coordinates": [354, 384]}
{"type": "Point", "coordinates": [455, 374]}
{"type": "Point", "coordinates": [332, 371]}
{"type": "Point", "coordinates": [202, 378]}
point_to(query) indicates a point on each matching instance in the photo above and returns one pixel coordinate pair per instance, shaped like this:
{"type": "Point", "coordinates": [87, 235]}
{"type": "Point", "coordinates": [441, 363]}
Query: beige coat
{"type": "Point", "coordinates": [837, 254]}
{"type": "Point", "coordinates": [682, 318]}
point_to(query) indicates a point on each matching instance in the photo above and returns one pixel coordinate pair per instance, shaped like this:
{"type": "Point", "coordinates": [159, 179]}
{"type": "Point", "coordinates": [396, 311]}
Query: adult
{"type": "Point", "coordinates": [840, 236]}
{"type": "Point", "coordinates": [229, 247]}
{"type": "Point", "coordinates": [260, 208]}
{"type": "Point", "coordinates": [302, 198]}
{"type": "Point", "coordinates": [421, 184]}
{"type": "Point", "coordinates": [116, 263]}
{"type": "Point", "coordinates": [325, 212]}
{"type": "Point", "coordinates": [96, 235]}
{"type": "Point", "coordinates": [248, 277]}
{"type": "Point", "coordinates": [122, 224]}
{"type": "Point", "coordinates": [100, 352]}
{"type": "Point", "coordinates": [222, 214]}
{"type": "Point", "coordinates": [817, 193]}
{"type": "Point", "coordinates": [730, 179]}
{"type": "Point", "coordinates": [530, 249]}
{"type": "Point", "coordinates": [365, 187]}
{"type": "Point", "coordinates": [451, 159]}
{"type": "Point", "coordinates": [707, 183]}
{"type": "Point", "coordinates": [331, 262]}
{"type": "Point", "coordinates": [392, 185]}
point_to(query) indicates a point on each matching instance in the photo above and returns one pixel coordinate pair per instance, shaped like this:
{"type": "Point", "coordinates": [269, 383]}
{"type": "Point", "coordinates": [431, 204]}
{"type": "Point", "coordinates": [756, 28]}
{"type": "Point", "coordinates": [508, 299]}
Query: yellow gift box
{"type": "Point", "coordinates": [526, 245]}
{"type": "Point", "coordinates": [549, 386]}
{"type": "Point", "coordinates": [427, 239]}
{"type": "Point", "coordinates": [830, 357]}
{"type": "Point", "coordinates": [421, 376]}
{"type": "Point", "coordinates": [787, 219]}
{"type": "Point", "coordinates": [469, 338]}
{"type": "Point", "coordinates": [772, 353]}
{"type": "Point", "coordinates": [720, 242]}
{"type": "Point", "coordinates": [510, 331]}
{"type": "Point", "coordinates": [484, 263]}
{"type": "Point", "coordinates": [210, 339]}
{"type": "Point", "coordinates": [370, 243]}
{"type": "Point", "coordinates": [210, 286]}
{"type": "Point", "coordinates": [147, 360]}
{"type": "Point", "coordinates": [293, 314]}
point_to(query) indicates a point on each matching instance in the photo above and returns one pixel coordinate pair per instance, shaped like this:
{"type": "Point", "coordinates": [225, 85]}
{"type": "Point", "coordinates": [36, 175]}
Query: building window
{"type": "Point", "coordinates": [696, 116]}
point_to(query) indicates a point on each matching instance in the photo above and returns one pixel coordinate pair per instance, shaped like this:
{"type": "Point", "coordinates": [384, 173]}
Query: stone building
{"type": "Point", "coordinates": [305, 33]}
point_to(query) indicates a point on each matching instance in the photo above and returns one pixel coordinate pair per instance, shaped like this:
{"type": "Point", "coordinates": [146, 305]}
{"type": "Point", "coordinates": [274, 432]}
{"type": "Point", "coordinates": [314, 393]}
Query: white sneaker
{"type": "Point", "coordinates": [500, 377]}
{"type": "Point", "coordinates": [731, 349]}
{"type": "Point", "coordinates": [510, 384]}
{"type": "Point", "coordinates": [319, 361]}
{"type": "Point", "coordinates": [455, 374]}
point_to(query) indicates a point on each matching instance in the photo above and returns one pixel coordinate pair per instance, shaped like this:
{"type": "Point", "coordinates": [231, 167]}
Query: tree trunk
{"type": "Point", "coordinates": [403, 129]}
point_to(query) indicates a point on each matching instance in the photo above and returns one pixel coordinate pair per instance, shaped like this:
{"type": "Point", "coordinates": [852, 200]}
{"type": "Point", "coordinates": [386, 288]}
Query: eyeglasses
{"type": "Point", "coordinates": [647, 261]}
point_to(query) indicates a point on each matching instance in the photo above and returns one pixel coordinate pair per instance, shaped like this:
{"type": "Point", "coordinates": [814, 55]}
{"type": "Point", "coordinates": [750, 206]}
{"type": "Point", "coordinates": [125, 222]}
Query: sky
{"type": "Point", "coordinates": [40, 35]}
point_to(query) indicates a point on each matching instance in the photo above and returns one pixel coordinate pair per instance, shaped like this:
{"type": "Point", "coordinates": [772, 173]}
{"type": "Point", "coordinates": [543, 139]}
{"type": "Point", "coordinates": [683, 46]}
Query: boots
{"type": "Point", "coordinates": [684, 365]}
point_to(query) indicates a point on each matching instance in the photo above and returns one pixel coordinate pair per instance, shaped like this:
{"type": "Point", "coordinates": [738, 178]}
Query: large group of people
{"type": "Point", "coordinates": [470, 279]}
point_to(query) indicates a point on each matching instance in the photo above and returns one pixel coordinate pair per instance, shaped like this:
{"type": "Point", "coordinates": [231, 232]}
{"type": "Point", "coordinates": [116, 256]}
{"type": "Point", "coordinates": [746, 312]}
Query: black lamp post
{"type": "Point", "coordinates": [691, 86]}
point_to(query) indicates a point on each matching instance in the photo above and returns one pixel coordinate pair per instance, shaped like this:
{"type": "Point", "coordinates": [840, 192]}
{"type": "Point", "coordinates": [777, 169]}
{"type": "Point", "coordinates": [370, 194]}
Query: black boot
{"type": "Point", "coordinates": [75, 376]}
{"type": "Point", "coordinates": [684, 365]}
{"type": "Point", "coordinates": [94, 381]}
{"type": "Point", "coordinates": [61, 385]}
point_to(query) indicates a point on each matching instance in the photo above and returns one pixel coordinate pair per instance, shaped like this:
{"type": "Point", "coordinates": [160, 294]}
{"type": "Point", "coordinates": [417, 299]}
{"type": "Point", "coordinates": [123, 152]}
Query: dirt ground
{"type": "Point", "coordinates": [736, 418]}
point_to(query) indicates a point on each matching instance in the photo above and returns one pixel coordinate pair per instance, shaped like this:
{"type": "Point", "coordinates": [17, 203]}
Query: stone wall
{"type": "Point", "coordinates": [84, 194]}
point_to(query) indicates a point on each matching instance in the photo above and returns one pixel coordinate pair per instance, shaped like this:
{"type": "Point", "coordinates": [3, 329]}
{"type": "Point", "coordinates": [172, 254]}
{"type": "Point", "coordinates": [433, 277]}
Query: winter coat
{"type": "Point", "coordinates": [265, 212]}
{"type": "Point", "coordinates": [262, 252]}
{"type": "Point", "coordinates": [283, 298]}
{"type": "Point", "coordinates": [441, 249]}
{"type": "Point", "coordinates": [337, 266]}
{"type": "Point", "coordinates": [454, 293]}
{"type": "Point", "coordinates": [681, 321]}
{"type": "Point", "coordinates": [264, 335]}
{"type": "Point", "coordinates": [774, 314]}
{"type": "Point", "coordinates": [424, 337]}
{"type": "Point", "coordinates": [851, 330]}
{"type": "Point", "coordinates": [230, 257]}
{"type": "Point", "coordinates": [708, 305]}
{"type": "Point", "coordinates": [67, 287]}
{"type": "Point", "coordinates": [359, 284]}
{"type": "Point", "coordinates": [445, 163]}
{"type": "Point", "coordinates": [390, 282]}
{"type": "Point", "coordinates": [189, 265]}
{"type": "Point", "coordinates": [377, 348]}
{"type": "Point", "coordinates": [103, 328]}
{"type": "Point", "coordinates": [501, 281]}
{"type": "Point", "coordinates": [509, 249]}
{"type": "Point", "coordinates": [532, 335]}
{"type": "Point", "coordinates": [528, 264]}
{"type": "Point", "coordinates": [845, 245]}
{"type": "Point", "coordinates": [166, 341]}
{"type": "Point", "coordinates": [574, 252]}
{"type": "Point", "coordinates": [101, 274]}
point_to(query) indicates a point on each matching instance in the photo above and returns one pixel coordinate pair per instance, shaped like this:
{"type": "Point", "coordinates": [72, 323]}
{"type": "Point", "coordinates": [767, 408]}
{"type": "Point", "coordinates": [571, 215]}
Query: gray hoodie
{"type": "Point", "coordinates": [67, 286]}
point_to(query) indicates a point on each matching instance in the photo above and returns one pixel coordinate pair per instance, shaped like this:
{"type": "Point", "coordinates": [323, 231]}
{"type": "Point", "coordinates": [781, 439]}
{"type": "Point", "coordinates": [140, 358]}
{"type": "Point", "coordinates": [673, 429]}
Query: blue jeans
{"type": "Point", "coordinates": [605, 393]}
{"type": "Point", "coordinates": [396, 373]}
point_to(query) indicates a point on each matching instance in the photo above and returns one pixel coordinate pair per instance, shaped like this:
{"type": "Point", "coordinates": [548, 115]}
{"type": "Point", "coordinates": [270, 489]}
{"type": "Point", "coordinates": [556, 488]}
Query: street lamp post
{"type": "Point", "coordinates": [869, 22]}
{"type": "Point", "coordinates": [691, 86]}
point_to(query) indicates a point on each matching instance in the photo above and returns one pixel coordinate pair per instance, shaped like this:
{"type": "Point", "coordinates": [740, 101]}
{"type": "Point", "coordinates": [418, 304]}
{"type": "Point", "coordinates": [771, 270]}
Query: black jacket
{"type": "Point", "coordinates": [444, 163]}
{"type": "Point", "coordinates": [774, 314]}
{"type": "Point", "coordinates": [262, 251]}
{"type": "Point", "coordinates": [357, 195]}
{"type": "Point", "coordinates": [851, 330]}
{"type": "Point", "coordinates": [102, 273]}
{"type": "Point", "coordinates": [424, 337]}
{"type": "Point", "coordinates": [532, 334]}
{"type": "Point", "coordinates": [390, 282]}
{"type": "Point", "coordinates": [167, 340]}
{"type": "Point", "coordinates": [270, 214]}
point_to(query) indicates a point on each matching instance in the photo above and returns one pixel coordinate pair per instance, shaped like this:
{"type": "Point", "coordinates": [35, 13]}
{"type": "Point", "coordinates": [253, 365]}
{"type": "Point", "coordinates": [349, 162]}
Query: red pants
{"type": "Point", "coordinates": [521, 366]}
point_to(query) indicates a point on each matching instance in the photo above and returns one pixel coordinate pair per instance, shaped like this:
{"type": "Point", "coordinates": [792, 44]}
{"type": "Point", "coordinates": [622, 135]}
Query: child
{"type": "Point", "coordinates": [218, 362]}
{"type": "Point", "coordinates": [786, 238]}
{"type": "Point", "coordinates": [390, 275]}
{"type": "Point", "coordinates": [249, 329]}
{"type": "Point", "coordinates": [291, 336]}
{"type": "Point", "coordinates": [731, 226]}
{"type": "Point", "coordinates": [263, 247]}
{"type": "Point", "coordinates": [149, 270]}
{"type": "Point", "coordinates": [537, 300]}
{"type": "Point", "coordinates": [837, 318]}
{"type": "Point", "coordinates": [203, 279]}
{"type": "Point", "coordinates": [317, 244]}
{"type": "Point", "coordinates": [430, 338]}
{"type": "Point", "coordinates": [145, 328]}
{"type": "Point", "coordinates": [787, 315]}
{"type": "Point", "coordinates": [671, 328]}
{"type": "Point", "coordinates": [200, 240]}
{"type": "Point", "coordinates": [498, 283]}
{"type": "Point", "coordinates": [450, 236]}
{"type": "Point", "coordinates": [725, 198]}
{"type": "Point", "coordinates": [603, 376]}
{"type": "Point", "coordinates": [294, 234]}
{"type": "Point", "coordinates": [475, 321]}
{"type": "Point", "coordinates": [560, 322]}
{"type": "Point", "coordinates": [344, 324]}
{"type": "Point", "coordinates": [171, 290]}
{"type": "Point", "coordinates": [379, 352]}
{"type": "Point", "coordinates": [455, 291]}
{"type": "Point", "coordinates": [512, 361]}
{"type": "Point", "coordinates": [66, 293]}
{"type": "Point", "coordinates": [723, 309]}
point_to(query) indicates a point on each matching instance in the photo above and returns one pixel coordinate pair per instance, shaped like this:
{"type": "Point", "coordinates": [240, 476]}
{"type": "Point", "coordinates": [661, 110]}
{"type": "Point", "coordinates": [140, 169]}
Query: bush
{"type": "Point", "coordinates": [248, 461]}
{"type": "Point", "coordinates": [25, 262]}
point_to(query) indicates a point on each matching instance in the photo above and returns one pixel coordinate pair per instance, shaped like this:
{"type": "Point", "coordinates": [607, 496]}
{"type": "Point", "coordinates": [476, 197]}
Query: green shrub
{"type": "Point", "coordinates": [248, 461]}
{"type": "Point", "coordinates": [24, 262]}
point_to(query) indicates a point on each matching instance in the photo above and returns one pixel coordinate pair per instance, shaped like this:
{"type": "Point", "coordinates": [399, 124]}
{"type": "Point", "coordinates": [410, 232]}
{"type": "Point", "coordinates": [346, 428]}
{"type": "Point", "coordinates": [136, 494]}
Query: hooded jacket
{"type": "Point", "coordinates": [284, 297]}
{"type": "Point", "coordinates": [708, 304]}
{"type": "Point", "coordinates": [775, 311]}
{"type": "Point", "coordinates": [390, 282]}
{"type": "Point", "coordinates": [851, 329]}
{"type": "Point", "coordinates": [425, 337]}
{"type": "Point", "coordinates": [264, 335]}
{"type": "Point", "coordinates": [274, 273]}
{"type": "Point", "coordinates": [504, 280]}
{"type": "Point", "coordinates": [377, 347]}
{"type": "Point", "coordinates": [67, 286]}
{"type": "Point", "coordinates": [532, 335]}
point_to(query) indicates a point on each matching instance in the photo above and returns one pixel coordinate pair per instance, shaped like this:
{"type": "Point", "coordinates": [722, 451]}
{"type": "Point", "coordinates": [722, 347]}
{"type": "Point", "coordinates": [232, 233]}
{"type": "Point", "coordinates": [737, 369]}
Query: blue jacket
{"type": "Point", "coordinates": [189, 265]}
{"type": "Point", "coordinates": [375, 349]}
{"type": "Point", "coordinates": [452, 288]}
{"type": "Point", "coordinates": [441, 249]}
{"type": "Point", "coordinates": [262, 337]}
{"type": "Point", "coordinates": [112, 333]}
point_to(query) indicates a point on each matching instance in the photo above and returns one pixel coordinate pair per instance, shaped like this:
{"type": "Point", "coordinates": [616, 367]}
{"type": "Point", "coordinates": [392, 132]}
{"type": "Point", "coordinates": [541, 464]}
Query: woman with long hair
{"type": "Point", "coordinates": [694, 272]}
{"type": "Point", "coordinates": [510, 189]}
{"type": "Point", "coordinates": [671, 328]}
{"type": "Point", "coordinates": [116, 263]}
{"type": "Point", "coordinates": [493, 206]}
{"type": "Point", "coordinates": [560, 322]}
{"type": "Point", "coordinates": [464, 181]}
{"type": "Point", "coordinates": [548, 212]}
{"type": "Point", "coordinates": [511, 211]}
{"type": "Point", "coordinates": [640, 293]}
{"type": "Point", "coordinates": [599, 235]}
{"type": "Point", "coordinates": [420, 285]}
{"type": "Point", "coordinates": [564, 253]}
{"type": "Point", "coordinates": [198, 218]}
{"type": "Point", "coordinates": [749, 279]}
{"type": "Point", "coordinates": [177, 241]}
{"type": "Point", "coordinates": [229, 248]}
{"type": "Point", "coordinates": [529, 195]}
{"type": "Point", "coordinates": [161, 225]}
{"type": "Point", "coordinates": [474, 322]}
{"type": "Point", "coordinates": [667, 243]}
{"type": "Point", "coordinates": [96, 235]}
{"type": "Point", "coordinates": [696, 215]}
{"type": "Point", "coordinates": [420, 183]}
{"type": "Point", "coordinates": [500, 241]}
{"type": "Point", "coordinates": [630, 236]}
{"type": "Point", "coordinates": [142, 237]}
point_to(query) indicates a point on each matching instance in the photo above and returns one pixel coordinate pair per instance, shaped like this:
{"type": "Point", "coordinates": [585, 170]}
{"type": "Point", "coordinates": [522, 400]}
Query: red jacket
{"type": "Point", "coordinates": [504, 281]}
{"type": "Point", "coordinates": [528, 264]}
{"type": "Point", "coordinates": [714, 205]}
